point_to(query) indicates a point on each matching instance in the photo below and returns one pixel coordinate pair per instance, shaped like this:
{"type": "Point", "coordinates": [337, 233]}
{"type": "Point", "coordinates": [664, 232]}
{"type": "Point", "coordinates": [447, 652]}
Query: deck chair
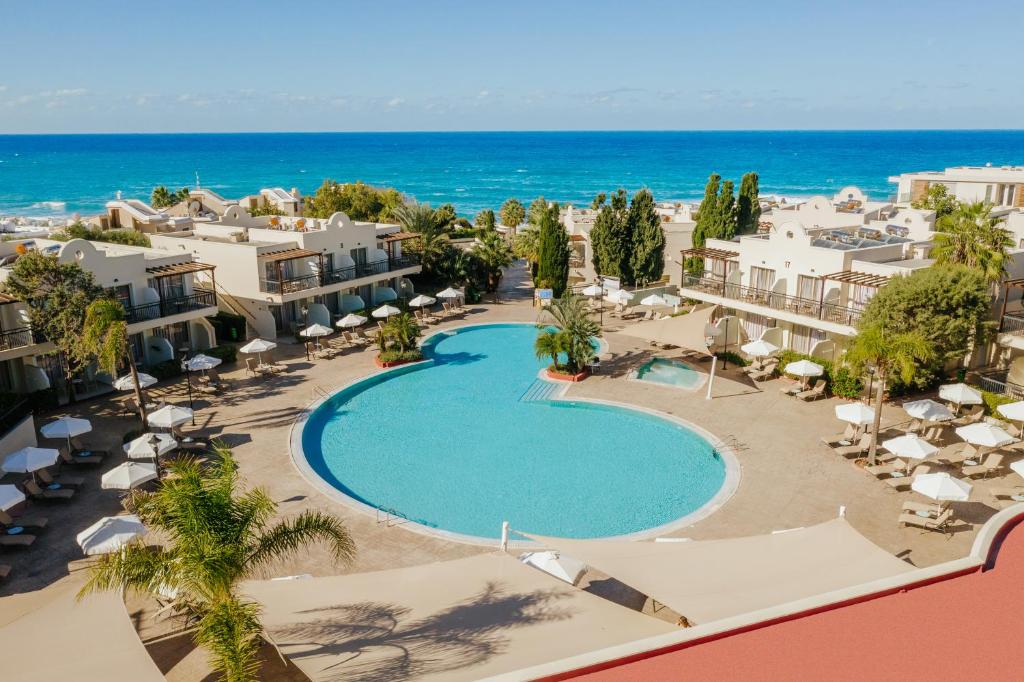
{"type": "Point", "coordinates": [848, 434]}
{"type": "Point", "coordinates": [84, 457]}
{"type": "Point", "coordinates": [23, 521]}
{"type": "Point", "coordinates": [63, 479]}
{"type": "Point", "coordinates": [999, 491]}
{"type": "Point", "coordinates": [815, 392]}
{"type": "Point", "coordinates": [765, 373]}
{"type": "Point", "coordinates": [250, 366]}
{"type": "Point", "coordinates": [858, 448]}
{"type": "Point", "coordinates": [992, 463]}
{"type": "Point", "coordinates": [904, 482]}
{"type": "Point", "coordinates": [19, 540]}
{"type": "Point", "coordinates": [941, 523]}
{"type": "Point", "coordinates": [33, 490]}
{"type": "Point", "coordinates": [972, 416]}
{"type": "Point", "coordinates": [362, 335]}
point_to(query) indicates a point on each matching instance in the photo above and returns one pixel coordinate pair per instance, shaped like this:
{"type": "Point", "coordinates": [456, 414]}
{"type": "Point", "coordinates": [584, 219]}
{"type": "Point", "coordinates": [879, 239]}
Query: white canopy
{"type": "Point", "coordinates": [910, 446]}
{"type": "Point", "coordinates": [565, 569]}
{"type": "Point", "coordinates": [258, 346]}
{"type": "Point", "coordinates": [422, 301]}
{"type": "Point", "coordinates": [1014, 411]}
{"type": "Point", "coordinates": [350, 320]}
{"type": "Point", "coordinates": [385, 311]}
{"type": "Point", "coordinates": [653, 300]}
{"type": "Point", "coordinates": [986, 435]}
{"type": "Point", "coordinates": [169, 416]}
{"type": "Point", "coordinates": [200, 362]}
{"type": "Point", "coordinates": [149, 446]}
{"type": "Point", "coordinates": [804, 368]}
{"type": "Point", "coordinates": [685, 331]}
{"type": "Point", "coordinates": [316, 330]}
{"type": "Point", "coordinates": [66, 427]}
{"type": "Point", "coordinates": [928, 409]}
{"type": "Point", "coordinates": [30, 459]}
{"type": "Point", "coordinates": [10, 496]}
{"type": "Point", "coordinates": [621, 296]}
{"type": "Point", "coordinates": [759, 348]}
{"type": "Point", "coordinates": [449, 293]}
{"type": "Point", "coordinates": [708, 580]}
{"type": "Point", "coordinates": [126, 383]}
{"type": "Point", "coordinates": [960, 394]}
{"type": "Point", "coordinates": [593, 290]}
{"type": "Point", "coordinates": [1018, 467]}
{"type": "Point", "coordinates": [110, 534]}
{"type": "Point", "coordinates": [941, 486]}
{"type": "Point", "coordinates": [855, 413]}
{"type": "Point", "coordinates": [127, 475]}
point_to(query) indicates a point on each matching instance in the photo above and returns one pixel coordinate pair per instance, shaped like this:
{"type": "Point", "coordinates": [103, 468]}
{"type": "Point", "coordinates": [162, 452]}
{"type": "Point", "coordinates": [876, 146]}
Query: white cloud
{"type": "Point", "coordinates": [395, 102]}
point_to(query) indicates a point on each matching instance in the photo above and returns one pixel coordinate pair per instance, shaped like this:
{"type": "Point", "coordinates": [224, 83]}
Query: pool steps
{"type": "Point", "coordinates": [541, 390]}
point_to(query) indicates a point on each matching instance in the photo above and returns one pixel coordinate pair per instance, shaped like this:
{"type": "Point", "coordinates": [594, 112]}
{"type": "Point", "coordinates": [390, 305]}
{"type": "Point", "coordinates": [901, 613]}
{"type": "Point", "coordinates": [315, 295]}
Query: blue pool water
{"type": "Point", "coordinates": [471, 439]}
{"type": "Point", "coordinates": [670, 372]}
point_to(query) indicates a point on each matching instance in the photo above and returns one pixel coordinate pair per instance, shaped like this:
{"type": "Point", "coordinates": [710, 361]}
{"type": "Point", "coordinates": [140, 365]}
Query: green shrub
{"type": "Point", "coordinates": [729, 356]}
{"type": "Point", "coordinates": [994, 400]}
{"type": "Point", "coordinates": [844, 384]}
{"type": "Point", "coordinates": [168, 369]}
{"type": "Point", "coordinates": [227, 353]}
{"type": "Point", "coordinates": [401, 356]}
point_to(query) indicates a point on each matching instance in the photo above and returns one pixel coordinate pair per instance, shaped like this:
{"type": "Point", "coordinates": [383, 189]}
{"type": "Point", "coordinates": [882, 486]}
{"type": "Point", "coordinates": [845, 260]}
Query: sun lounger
{"type": "Point", "coordinates": [904, 482]}
{"type": "Point", "coordinates": [992, 463]}
{"type": "Point", "coordinates": [858, 448]}
{"type": "Point", "coordinates": [5, 571]}
{"type": "Point", "coordinates": [847, 435]}
{"type": "Point", "coordinates": [940, 523]}
{"type": "Point", "coordinates": [971, 417]}
{"type": "Point", "coordinates": [765, 373]}
{"type": "Point", "coordinates": [1014, 491]}
{"type": "Point", "coordinates": [33, 490]}
{"type": "Point", "coordinates": [815, 392]}
{"type": "Point", "coordinates": [362, 335]}
{"type": "Point", "coordinates": [24, 521]}
{"type": "Point", "coordinates": [879, 470]}
{"type": "Point", "coordinates": [84, 457]}
{"type": "Point", "coordinates": [928, 508]}
{"type": "Point", "coordinates": [19, 540]}
{"type": "Point", "coordinates": [63, 479]}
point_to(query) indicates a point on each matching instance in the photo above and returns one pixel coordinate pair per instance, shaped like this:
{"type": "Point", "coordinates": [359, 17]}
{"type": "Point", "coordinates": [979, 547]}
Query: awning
{"type": "Point", "coordinates": [453, 620]}
{"type": "Point", "coordinates": [46, 635]}
{"type": "Point", "coordinates": [179, 269]}
{"type": "Point", "coordinates": [289, 254]}
{"type": "Point", "coordinates": [399, 236]}
{"type": "Point", "coordinates": [712, 579]}
{"type": "Point", "coordinates": [685, 331]}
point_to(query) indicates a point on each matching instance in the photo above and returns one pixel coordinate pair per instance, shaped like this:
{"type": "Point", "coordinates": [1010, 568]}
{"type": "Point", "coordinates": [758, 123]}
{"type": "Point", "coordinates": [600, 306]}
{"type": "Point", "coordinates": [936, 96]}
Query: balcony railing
{"type": "Point", "coordinates": [995, 381]}
{"type": "Point", "coordinates": [1012, 323]}
{"type": "Point", "coordinates": [344, 274]}
{"type": "Point", "coordinates": [199, 299]}
{"type": "Point", "coordinates": [828, 312]}
{"type": "Point", "coordinates": [16, 338]}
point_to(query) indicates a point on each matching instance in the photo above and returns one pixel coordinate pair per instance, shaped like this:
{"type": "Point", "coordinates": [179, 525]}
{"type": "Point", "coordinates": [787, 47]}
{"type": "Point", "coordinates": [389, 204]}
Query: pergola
{"type": "Point", "coordinates": [1007, 285]}
{"type": "Point", "coordinates": [390, 239]}
{"type": "Point", "coordinates": [710, 254]}
{"type": "Point", "coordinates": [291, 254]}
{"type": "Point", "coordinates": [863, 279]}
{"type": "Point", "coordinates": [164, 271]}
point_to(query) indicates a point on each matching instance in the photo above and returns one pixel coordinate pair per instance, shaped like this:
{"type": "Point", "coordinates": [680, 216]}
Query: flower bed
{"type": "Point", "coordinates": [555, 375]}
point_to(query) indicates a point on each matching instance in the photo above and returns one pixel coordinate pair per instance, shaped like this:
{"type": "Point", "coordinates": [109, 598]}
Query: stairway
{"type": "Point", "coordinates": [540, 390]}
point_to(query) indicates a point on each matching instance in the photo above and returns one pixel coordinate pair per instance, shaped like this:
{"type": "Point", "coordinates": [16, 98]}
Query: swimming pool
{"type": "Point", "coordinates": [472, 437]}
{"type": "Point", "coordinates": [670, 372]}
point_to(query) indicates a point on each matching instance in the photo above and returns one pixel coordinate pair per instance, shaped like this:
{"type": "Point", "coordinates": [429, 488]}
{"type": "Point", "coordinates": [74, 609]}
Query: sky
{"type": "Point", "coordinates": [70, 66]}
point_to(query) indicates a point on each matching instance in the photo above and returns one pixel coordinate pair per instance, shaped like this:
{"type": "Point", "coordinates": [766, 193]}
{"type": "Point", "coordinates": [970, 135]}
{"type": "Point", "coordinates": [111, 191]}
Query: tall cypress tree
{"type": "Point", "coordinates": [725, 213]}
{"type": "Point", "coordinates": [648, 239]}
{"type": "Point", "coordinates": [553, 265]}
{"type": "Point", "coordinates": [748, 208]}
{"type": "Point", "coordinates": [707, 211]}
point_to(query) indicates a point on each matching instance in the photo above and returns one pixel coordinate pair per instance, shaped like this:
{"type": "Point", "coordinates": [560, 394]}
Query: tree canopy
{"type": "Point", "coordinates": [748, 206]}
{"type": "Point", "coordinates": [357, 200]}
{"type": "Point", "coordinates": [647, 260]}
{"type": "Point", "coordinates": [165, 198]}
{"type": "Point", "coordinates": [80, 230]}
{"type": "Point", "coordinates": [553, 253]}
{"type": "Point", "coordinates": [937, 198]}
{"type": "Point", "coordinates": [512, 213]}
{"type": "Point", "coordinates": [485, 220]}
{"type": "Point", "coordinates": [627, 240]}
{"type": "Point", "coordinates": [970, 235]}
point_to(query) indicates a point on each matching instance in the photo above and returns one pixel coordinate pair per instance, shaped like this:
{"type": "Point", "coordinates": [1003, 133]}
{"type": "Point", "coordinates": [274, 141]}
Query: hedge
{"type": "Point", "coordinates": [841, 381]}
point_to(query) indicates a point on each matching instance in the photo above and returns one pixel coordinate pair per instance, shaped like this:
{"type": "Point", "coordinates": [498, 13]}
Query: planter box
{"type": "Point", "coordinates": [559, 376]}
{"type": "Point", "coordinates": [395, 363]}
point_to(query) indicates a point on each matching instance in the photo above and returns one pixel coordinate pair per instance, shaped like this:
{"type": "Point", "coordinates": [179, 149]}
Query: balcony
{"type": "Point", "coordinates": [199, 299]}
{"type": "Point", "coordinates": [805, 307]}
{"type": "Point", "coordinates": [1012, 323]}
{"type": "Point", "coordinates": [16, 338]}
{"type": "Point", "coordinates": [337, 275]}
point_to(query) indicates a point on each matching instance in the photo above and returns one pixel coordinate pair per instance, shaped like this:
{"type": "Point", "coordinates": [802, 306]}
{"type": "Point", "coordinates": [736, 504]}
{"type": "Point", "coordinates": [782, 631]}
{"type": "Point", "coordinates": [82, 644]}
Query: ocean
{"type": "Point", "coordinates": [65, 174]}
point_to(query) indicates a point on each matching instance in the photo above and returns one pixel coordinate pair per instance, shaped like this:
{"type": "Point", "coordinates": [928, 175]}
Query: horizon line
{"type": "Point", "coordinates": [521, 131]}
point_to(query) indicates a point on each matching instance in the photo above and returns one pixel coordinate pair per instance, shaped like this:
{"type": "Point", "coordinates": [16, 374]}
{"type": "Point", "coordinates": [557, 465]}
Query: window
{"type": "Point", "coordinates": [123, 294]}
{"type": "Point", "coordinates": [755, 325]}
{"type": "Point", "coordinates": [804, 339]}
{"type": "Point", "coordinates": [177, 334]}
{"type": "Point", "coordinates": [808, 288]}
{"type": "Point", "coordinates": [169, 288]}
{"type": "Point", "coordinates": [358, 255]}
{"type": "Point", "coordinates": [762, 279]}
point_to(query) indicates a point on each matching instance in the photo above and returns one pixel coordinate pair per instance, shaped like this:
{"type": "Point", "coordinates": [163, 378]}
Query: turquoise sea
{"type": "Point", "coordinates": [57, 174]}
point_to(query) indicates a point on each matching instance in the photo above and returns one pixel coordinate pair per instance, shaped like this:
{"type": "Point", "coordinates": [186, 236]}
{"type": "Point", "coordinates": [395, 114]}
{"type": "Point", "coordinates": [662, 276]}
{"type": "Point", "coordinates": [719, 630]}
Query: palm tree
{"type": "Point", "coordinates": [887, 353]}
{"type": "Point", "coordinates": [402, 330]}
{"type": "Point", "coordinates": [972, 236]}
{"type": "Point", "coordinates": [218, 536]}
{"type": "Point", "coordinates": [422, 220]}
{"type": "Point", "coordinates": [526, 245]}
{"type": "Point", "coordinates": [494, 254]}
{"type": "Point", "coordinates": [571, 316]}
{"type": "Point", "coordinates": [105, 339]}
{"type": "Point", "coordinates": [550, 344]}
{"type": "Point", "coordinates": [161, 197]}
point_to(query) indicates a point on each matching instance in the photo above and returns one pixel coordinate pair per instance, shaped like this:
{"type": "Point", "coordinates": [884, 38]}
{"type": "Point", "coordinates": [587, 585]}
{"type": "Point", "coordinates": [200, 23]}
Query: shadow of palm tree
{"type": "Point", "coordinates": [378, 641]}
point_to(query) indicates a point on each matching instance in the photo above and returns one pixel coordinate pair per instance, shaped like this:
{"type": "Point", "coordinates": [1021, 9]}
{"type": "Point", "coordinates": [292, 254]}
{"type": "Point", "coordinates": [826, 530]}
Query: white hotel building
{"type": "Point", "coordinates": [1001, 186]}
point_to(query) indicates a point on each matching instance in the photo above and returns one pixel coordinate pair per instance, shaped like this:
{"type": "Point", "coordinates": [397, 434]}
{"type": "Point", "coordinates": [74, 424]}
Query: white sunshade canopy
{"type": "Point", "coordinates": [1014, 411]}
{"type": "Point", "coordinates": [110, 534]}
{"type": "Point", "coordinates": [258, 346]}
{"type": "Point", "coordinates": [986, 435]}
{"type": "Point", "coordinates": [315, 330]}
{"type": "Point", "coordinates": [961, 394]}
{"type": "Point", "coordinates": [385, 311]}
{"type": "Point", "coordinates": [593, 290]}
{"type": "Point", "coordinates": [804, 368]}
{"type": "Point", "coordinates": [200, 362]}
{"type": "Point", "coordinates": [350, 320]}
{"type": "Point", "coordinates": [66, 427]}
{"type": "Point", "coordinates": [941, 486]}
{"type": "Point", "coordinates": [30, 459]}
{"type": "Point", "coordinates": [149, 446]}
{"type": "Point", "coordinates": [422, 301]}
{"type": "Point", "coordinates": [126, 383]}
{"type": "Point", "coordinates": [621, 296]}
{"type": "Point", "coordinates": [910, 446]}
{"type": "Point", "coordinates": [855, 413]}
{"type": "Point", "coordinates": [653, 300]}
{"type": "Point", "coordinates": [1018, 467]}
{"type": "Point", "coordinates": [128, 475]}
{"type": "Point", "coordinates": [10, 496]}
{"type": "Point", "coordinates": [169, 416]}
{"type": "Point", "coordinates": [929, 410]}
{"type": "Point", "coordinates": [449, 293]}
{"type": "Point", "coordinates": [565, 569]}
{"type": "Point", "coordinates": [759, 348]}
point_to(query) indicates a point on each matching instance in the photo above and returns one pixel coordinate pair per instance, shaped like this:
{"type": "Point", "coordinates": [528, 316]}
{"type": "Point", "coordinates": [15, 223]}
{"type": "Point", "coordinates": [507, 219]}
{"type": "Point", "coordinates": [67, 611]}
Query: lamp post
{"type": "Point", "coordinates": [725, 349]}
{"type": "Point", "coordinates": [600, 282]}
{"type": "Point", "coordinates": [305, 323]}
{"type": "Point", "coordinates": [188, 378]}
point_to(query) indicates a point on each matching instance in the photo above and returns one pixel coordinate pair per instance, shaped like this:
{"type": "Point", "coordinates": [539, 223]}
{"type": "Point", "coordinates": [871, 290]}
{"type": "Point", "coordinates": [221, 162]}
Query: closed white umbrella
{"type": "Point", "coordinates": [941, 486]}
{"type": "Point", "coordinates": [126, 383]}
{"type": "Point", "coordinates": [554, 564]}
{"type": "Point", "coordinates": [169, 416]}
{"type": "Point", "coordinates": [385, 311]}
{"type": "Point", "coordinates": [350, 320]}
{"type": "Point", "coordinates": [10, 496]}
{"type": "Point", "coordinates": [27, 460]}
{"type": "Point", "coordinates": [449, 293]}
{"type": "Point", "coordinates": [128, 475]}
{"type": "Point", "coordinates": [985, 435]}
{"type": "Point", "coordinates": [928, 410]}
{"type": "Point", "coordinates": [960, 394]}
{"type": "Point", "coordinates": [855, 413]}
{"type": "Point", "coordinates": [258, 346]}
{"type": "Point", "coordinates": [910, 446]}
{"type": "Point", "coordinates": [110, 534]}
{"type": "Point", "coordinates": [759, 348]}
{"type": "Point", "coordinates": [653, 301]}
{"type": "Point", "coordinates": [149, 446]}
{"type": "Point", "coordinates": [422, 301]}
{"type": "Point", "coordinates": [201, 362]}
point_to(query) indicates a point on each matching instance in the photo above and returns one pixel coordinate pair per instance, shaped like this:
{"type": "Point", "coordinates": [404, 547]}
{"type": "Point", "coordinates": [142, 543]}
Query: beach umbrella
{"type": "Point", "coordinates": [855, 413]}
{"type": "Point", "coordinates": [759, 348]}
{"type": "Point", "coordinates": [149, 446]}
{"type": "Point", "coordinates": [928, 410]}
{"type": "Point", "coordinates": [1018, 467]}
{"type": "Point", "coordinates": [66, 427]}
{"type": "Point", "coordinates": [593, 290]}
{"type": "Point", "coordinates": [10, 496]}
{"type": "Point", "coordinates": [126, 383]}
{"type": "Point", "coordinates": [449, 293]}
{"type": "Point", "coordinates": [422, 301]}
{"type": "Point", "coordinates": [942, 487]}
{"type": "Point", "coordinates": [1013, 411]}
{"type": "Point", "coordinates": [554, 564]}
{"type": "Point", "coordinates": [201, 363]}
{"type": "Point", "coordinates": [110, 534]}
{"type": "Point", "coordinates": [316, 330]}
{"type": "Point", "coordinates": [27, 460]}
{"type": "Point", "coordinates": [910, 446]}
{"type": "Point", "coordinates": [169, 416]}
{"type": "Point", "coordinates": [621, 296]}
{"type": "Point", "coordinates": [653, 301]}
{"type": "Point", "coordinates": [385, 311]}
{"type": "Point", "coordinates": [350, 320]}
{"type": "Point", "coordinates": [258, 346]}
{"type": "Point", "coordinates": [985, 435]}
{"type": "Point", "coordinates": [128, 475]}
{"type": "Point", "coordinates": [804, 369]}
{"type": "Point", "coordinates": [960, 394]}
